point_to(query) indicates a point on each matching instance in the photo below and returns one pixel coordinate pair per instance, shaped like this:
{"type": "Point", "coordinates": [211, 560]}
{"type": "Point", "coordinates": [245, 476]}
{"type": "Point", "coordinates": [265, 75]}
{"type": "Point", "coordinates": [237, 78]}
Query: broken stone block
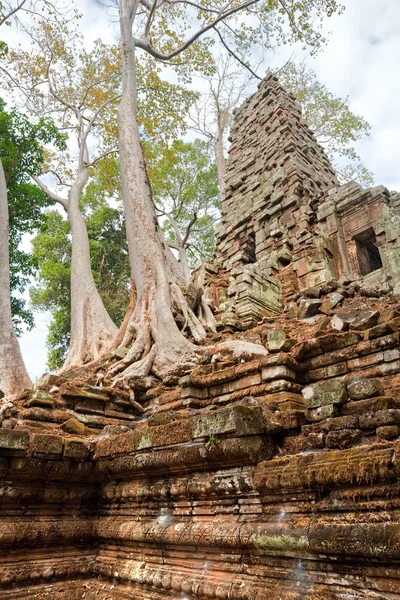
{"type": "Point", "coordinates": [388, 432]}
{"type": "Point", "coordinates": [312, 292]}
{"type": "Point", "coordinates": [331, 391]}
{"type": "Point", "coordinates": [73, 426]}
{"type": "Point", "coordinates": [329, 286]}
{"type": "Point", "coordinates": [314, 415]}
{"type": "Point", "coordinates": [365, 388]}
{"type": "Point", "coordinates": [48, 379]}
{"type": "Point", "coordinates": [343, 438]}
{"type": "Point", "coordinates": [330, 302]}
{"type": "Point", "coordinates": [14, 442]}
{"type": "Point", "coordinates": [240, 420]}
{"type": "Point", "coordinates": [372, 291]}
{"type": "Point", "coordinates": [308, 308]}
{"type": "Point", "coordinates": [343, 320]}
{"type": "Point", "coordinates": [277, 341]}
{"type": "Point", "coordinates": [365, 320]}
{"type": "Point", "coordinates": [354, 319]}
{"type": "Point", "coordinates": [345, 279]}
{"type": "Point", "coordinates": [120, 352]}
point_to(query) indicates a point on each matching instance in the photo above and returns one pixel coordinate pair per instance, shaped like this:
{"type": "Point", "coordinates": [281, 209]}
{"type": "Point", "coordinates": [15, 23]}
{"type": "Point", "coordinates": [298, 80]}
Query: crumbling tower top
{"type": "Point", "coordinates": [275, 166]}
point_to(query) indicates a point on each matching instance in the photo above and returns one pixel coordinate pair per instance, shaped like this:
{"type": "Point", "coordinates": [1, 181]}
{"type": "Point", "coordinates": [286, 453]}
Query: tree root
{"type": "Point", "coordinates": [206, 316]}
{"type": "Point", "coordinates": [191, 321]}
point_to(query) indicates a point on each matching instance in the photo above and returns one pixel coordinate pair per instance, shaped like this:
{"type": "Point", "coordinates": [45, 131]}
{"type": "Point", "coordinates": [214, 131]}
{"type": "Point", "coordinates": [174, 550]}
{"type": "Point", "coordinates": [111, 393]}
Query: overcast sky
{"type": "Point", "coordinates": [361, 60]}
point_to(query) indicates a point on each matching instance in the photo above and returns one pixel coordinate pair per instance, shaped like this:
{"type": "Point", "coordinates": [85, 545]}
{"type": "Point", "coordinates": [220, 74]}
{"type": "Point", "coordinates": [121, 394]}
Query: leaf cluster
{"type": "Point", "coordinates": [184, 182]}
{"type": "Point", "coordinates": [22, 154]}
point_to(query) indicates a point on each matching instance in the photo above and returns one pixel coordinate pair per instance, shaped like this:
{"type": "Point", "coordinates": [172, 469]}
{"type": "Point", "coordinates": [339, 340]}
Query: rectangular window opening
{"type": "Point", "coordinates": [368, 255]}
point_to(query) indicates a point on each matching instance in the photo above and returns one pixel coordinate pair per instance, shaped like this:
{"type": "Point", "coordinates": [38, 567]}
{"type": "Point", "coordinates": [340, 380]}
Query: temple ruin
{"type": "Point", "coordinates": [286, 223]}
{"type": "Point", "coordinates": [271, 478]}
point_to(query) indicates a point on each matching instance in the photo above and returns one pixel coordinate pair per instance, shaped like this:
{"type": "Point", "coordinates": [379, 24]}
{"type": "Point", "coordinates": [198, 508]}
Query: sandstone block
{"type": "Point", "coordinates": [330, 302]}
{"type": "Point", "coordinates": [277, 340]}
{"type": "Point", "coordinates": [40, 398]}
{"type": "Point", "coordinates": [388, 432]}
{"type": "Point", "coordinates": [124, 443]}
{"type": "Point", "coordinates": [73, 426]}
{"type": "Point", "coordinates": [381, 330]}
{"type": "Point", "coordinates": [365, 320]}
{"type": "Point", "coordinates": [173, 433]}
{"type": "Point", "coordinates": [346, 422]}
{"type": "Point", "coordinates": [75, 448]}
{"type": "Point", "coordinates": [355, 319]}
{"type": "Point", "coordinates": [312, 292]}
{"type": "Point", "coordinates": [277, 372]}
{"type": "Point", "coordinates": [343, 320]}
{"type": "Point", "coordinates": [324, 393]}
{"type": "Point", "coordinates": [43, 445]}
{"type": "Point", "coordinates": [308, 308]}
{"type": "Point", "coordinates": [365, 388]}
{"type": "Point", "coordinates": [239, 420]}
{"type": "Point", "coordinates": [343, 438]}
{"type": "Point", "coordinates": [380, 418]}
{"type": "Point", "coordinates": [322, 412]}
{"type": "Point", "coordinates": [13, 441]}
{"type": "Point", "coordinates": [361, 407]}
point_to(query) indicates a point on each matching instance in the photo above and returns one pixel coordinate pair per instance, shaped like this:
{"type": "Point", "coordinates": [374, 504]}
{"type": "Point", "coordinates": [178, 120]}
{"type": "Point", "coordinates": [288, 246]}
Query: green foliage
{"type": "Point", "coordinates": [211, 440]}
{"type": "Point", "coordinates": [184, 182]}
{"type": "Point", "coordinates": [109, 261]}
{"type": "Point", "coordinates": [22, 153]}
{"type": "Point", "coordinates": [330, 117]}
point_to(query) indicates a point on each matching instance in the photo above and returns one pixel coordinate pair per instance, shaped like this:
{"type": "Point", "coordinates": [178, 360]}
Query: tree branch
{"type": "Point", "coordinates": [12, 12]}
{"type": "Point", "coordinates": [96, 160]}
{"type": "Point", "coordinates": [50, 193]}
{"type": "Point", "coordinates": [188, 228]}
{"type": "Point", "coordinates": [145, 45]}
{"type": "Point", "coordinates": [235, 56]}
{"type": "Point", "coordinates": [96, 114]}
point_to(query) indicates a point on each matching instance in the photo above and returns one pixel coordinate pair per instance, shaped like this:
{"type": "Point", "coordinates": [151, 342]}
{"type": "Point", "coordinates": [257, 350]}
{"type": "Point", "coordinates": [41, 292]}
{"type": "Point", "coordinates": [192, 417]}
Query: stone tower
{"type": "Point", "coordinates": [286, 223]}
{"type": "Point", "coordinates": [276, 173]}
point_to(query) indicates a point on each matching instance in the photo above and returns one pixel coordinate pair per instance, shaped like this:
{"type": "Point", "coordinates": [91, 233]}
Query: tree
{"type": "Point", "coordinates": [184, 182]}
{"type": "Point", "coordinates": [13, 374]}
{"type": "Point", "coordinates": [109, 264]}
{"type": "Point", "coordinates": [159, 29]}
{"type": "Point", "coordinates": [22, 149]}
{"type": "Point", "coordinates": [212, 114]}
{"type": "Point", "coordinates": [21, 154]}
{"type": "Point", "coordinates": [331, 119]}
{"type": "Point", "coordinates": [80, 90]}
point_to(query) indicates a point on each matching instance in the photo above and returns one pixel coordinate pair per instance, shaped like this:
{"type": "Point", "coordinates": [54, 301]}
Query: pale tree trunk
{"type": "Point", "coordinates": [220, 158]}
{"type": "Point", "coordinates": [92, 330]}
{"type": "Point", "coordinates": [180, 247]}
{"type": "Point", "coordinates": [153, 336]}
{"type": "Point", "coordinates": [13, 374]}
{"type": "Point", "coordinates": [184, 262]}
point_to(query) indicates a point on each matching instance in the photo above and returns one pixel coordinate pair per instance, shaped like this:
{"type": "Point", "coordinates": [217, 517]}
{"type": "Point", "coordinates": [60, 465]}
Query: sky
{"type": "Point", "coordinates": [361, 61]}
